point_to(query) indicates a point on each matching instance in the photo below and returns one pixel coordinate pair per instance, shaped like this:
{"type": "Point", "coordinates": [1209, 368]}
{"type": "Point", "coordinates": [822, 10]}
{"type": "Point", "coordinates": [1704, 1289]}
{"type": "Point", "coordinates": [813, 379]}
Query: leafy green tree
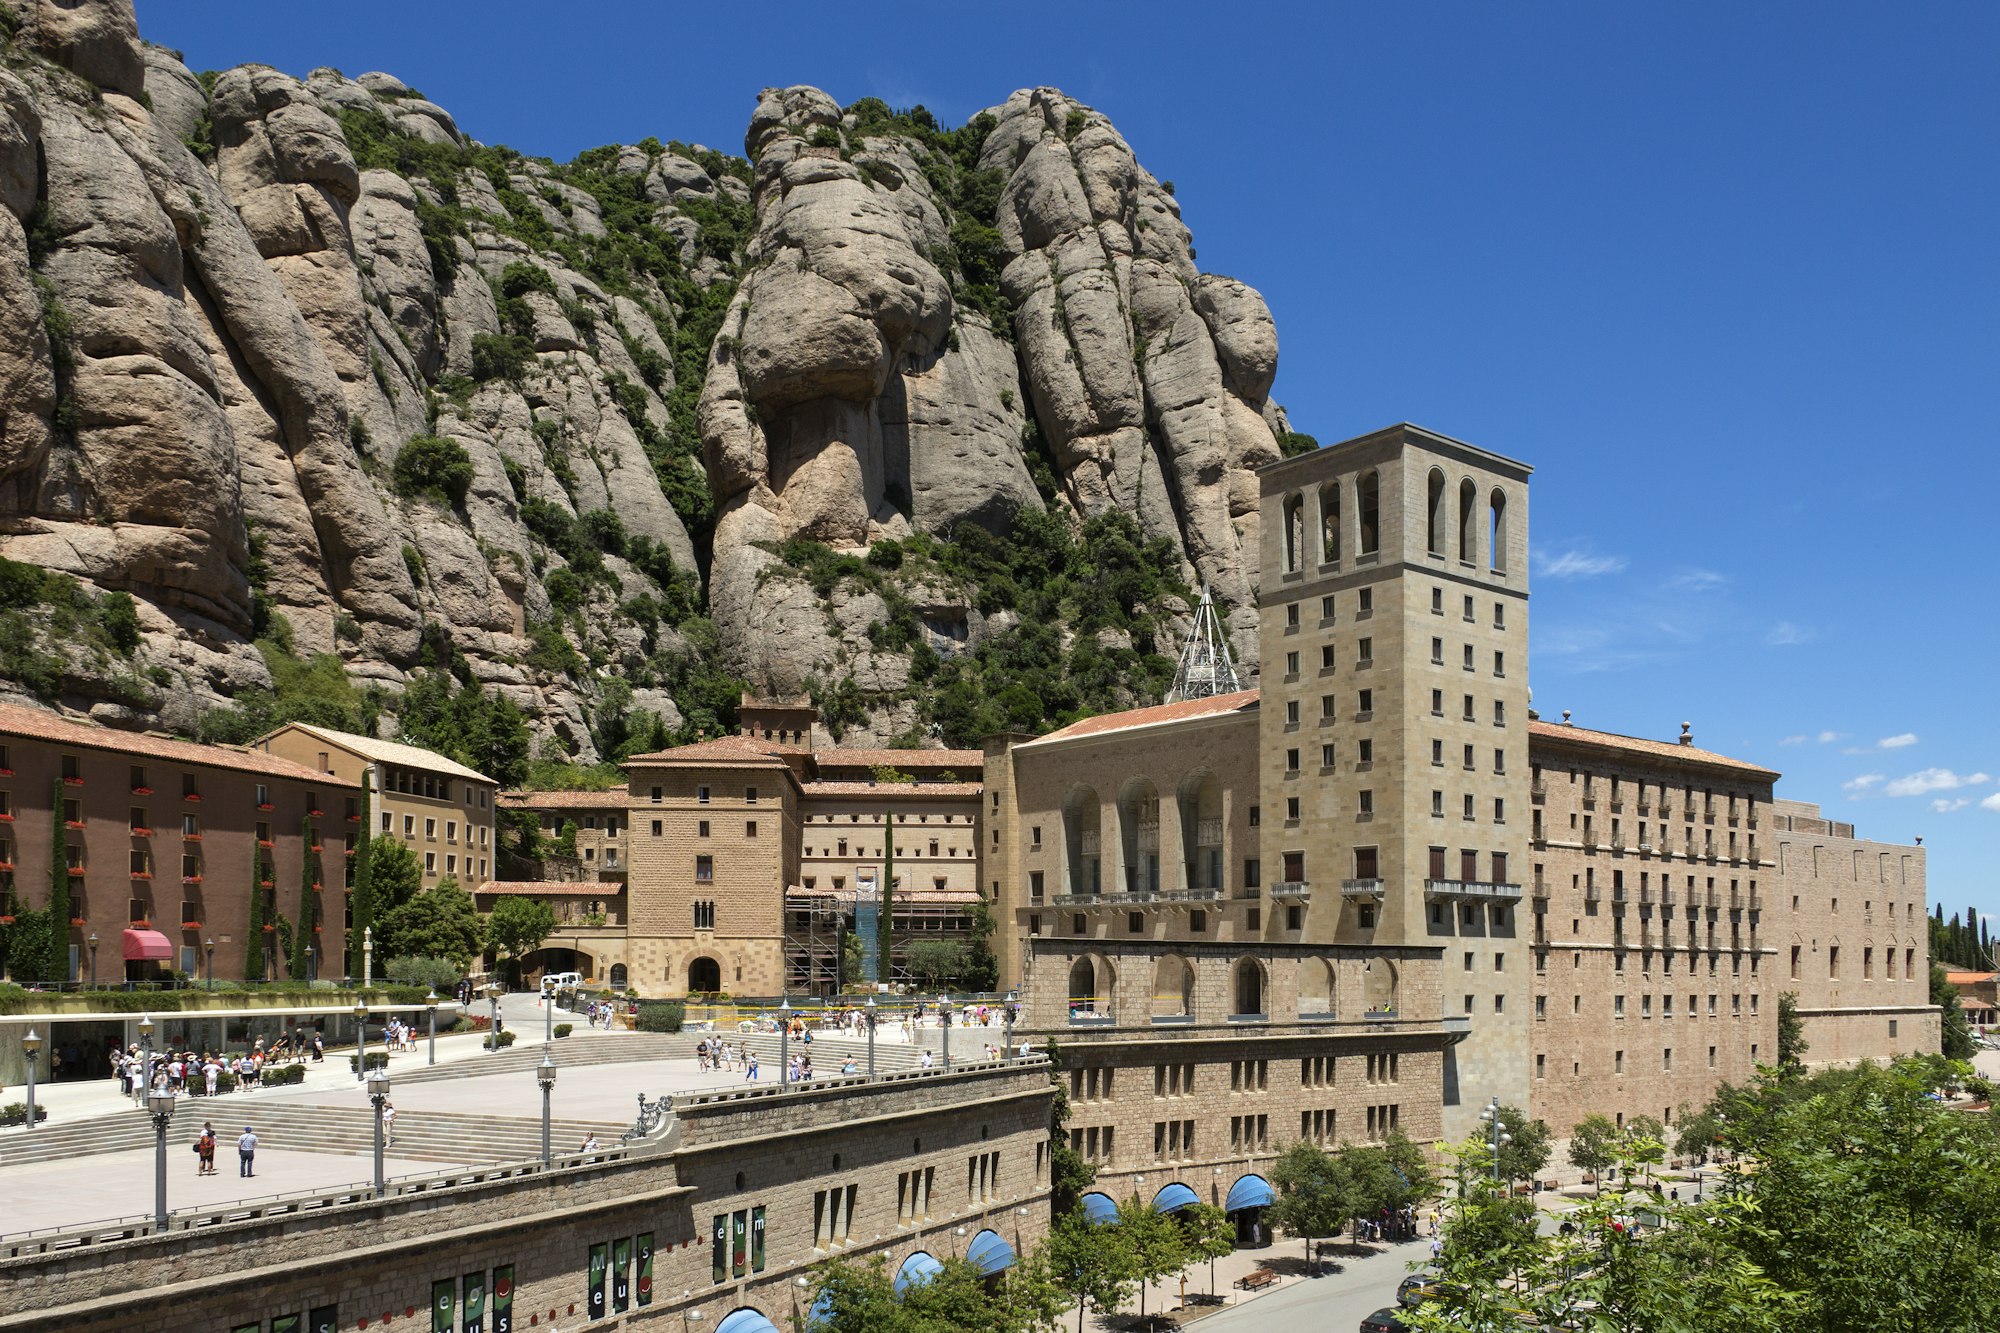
{"type": "Point", "coordinates": [1091, 1265]}
{"type": "Point", "coordinates": [1528, 1145]}
{"type": "Point", "coordinates": [254, 961]}
{"type": "Point", "coordinates": [394, 874]}
{"type": "Point", "coordinates": [54, 965]}
{"type": "Point", "coordinates": [309, 887]}
{"type": "Point", "coordinates": [1153, 1242]}
{"type": "Point", "coordinates": [360, 886]}
{"type": "Point", "coordinates": [1643, 1142]}
{"type": "Point", "coordinates": [1791, 1035]}
{"type": "Point", "coordinates": [434, 466]}
{"type": "Point", "coordinates": [1209, 1234]}
{"type": "Point", "coordinates": [440, 922]}
{"type": "Point", "coordinates": [933, 963]}
{"type": "Point", "coordinates": [1316, 1193]}
{"type": "Point", "coordinates": [1696, 1132]}
{"type": "Point", "coordinates": [1958, 1043]}
{"type": "Point", "coordinates": [517, 926]}
{"type": "Point", "coordinates": [1592, 1146]}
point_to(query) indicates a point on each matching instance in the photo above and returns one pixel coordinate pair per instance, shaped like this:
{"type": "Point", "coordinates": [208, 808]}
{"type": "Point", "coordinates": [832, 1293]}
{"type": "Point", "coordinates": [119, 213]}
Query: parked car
{"type": "Point", "coordinates": [1385, 1320]}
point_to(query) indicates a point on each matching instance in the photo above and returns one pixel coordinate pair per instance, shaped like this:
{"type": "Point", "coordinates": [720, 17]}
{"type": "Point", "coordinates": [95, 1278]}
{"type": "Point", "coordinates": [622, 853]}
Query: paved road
{"type": "Point", "coordinates": [1351, 1288]}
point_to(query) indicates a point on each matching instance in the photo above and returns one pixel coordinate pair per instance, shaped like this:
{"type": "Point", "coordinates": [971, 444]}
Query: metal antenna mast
{"type": "Point", "coordinates": [1206, 667]}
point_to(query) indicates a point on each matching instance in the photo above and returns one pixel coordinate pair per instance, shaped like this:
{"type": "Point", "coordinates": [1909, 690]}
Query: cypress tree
{"type": "Point", "coordinates": [309, 872]}
{"type": "Point", "coordinates": [884, 934]}
{"type": "Point", "coordinates": [360, 892]}
{"type": "Point", "coordinates": [55, 961]}
{"type": "Point", "coordinates": [253, 950]}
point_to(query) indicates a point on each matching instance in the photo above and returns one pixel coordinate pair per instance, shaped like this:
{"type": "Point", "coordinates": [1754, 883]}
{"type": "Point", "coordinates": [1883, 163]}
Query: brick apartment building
{"type": "Point", "coordinates": [167, 842]}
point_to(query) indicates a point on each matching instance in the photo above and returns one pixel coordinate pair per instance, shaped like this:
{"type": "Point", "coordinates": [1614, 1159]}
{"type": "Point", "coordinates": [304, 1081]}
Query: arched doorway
{"type": "Point", "coordinates": [1091, 987]}
{"type": "Point", "coordinates": [1173, 989]}
{"type": "Point", "coordinates": [704, 976]}
{"type": "Point", "coordinates": [1082, 849]}
{"type": "Point", "coordinates": [1245, 1204]}
{"type": "Point", "coordinates": [618, 976]}
{"type": "Point", "coordinates": [1139, 836]}
{"type": "Point", "coordinates": [1249, 987]}
{"type": "Point", "coordinates": [1199, 802]}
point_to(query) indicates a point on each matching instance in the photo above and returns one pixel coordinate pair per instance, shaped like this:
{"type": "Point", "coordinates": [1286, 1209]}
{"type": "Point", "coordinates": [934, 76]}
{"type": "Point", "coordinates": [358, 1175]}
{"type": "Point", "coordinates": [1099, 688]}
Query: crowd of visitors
{"type": "Point", "coordinates": [201, 1075]}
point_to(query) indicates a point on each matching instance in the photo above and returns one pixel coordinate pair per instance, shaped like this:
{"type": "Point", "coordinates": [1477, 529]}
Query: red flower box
{"type": "Point", "coordinates": [316, 930]}
{"type": "Point", "coordinates": [190, 837]}
{"type": "Point", "coordinates": [72, 782]}
{"type": "Point", "coordinates": [190, 925]}
{"type": "Point", "coordinates": [72, 823]}
{"type": "Point", "coordinates": [354, 818]}
{"type": "Point", "coordinates": [266, 805]}
{"type": "Point", "coordinates": [190, 796]}
{"type": "Point", "coordinates": [78, 921]}
{"type": "Point", "coordinates": [142, 874]}
{"type": "Point", "coordinates": [142, 791]}
{"type": "Point", "coordinates": [265, 842]}
{"type": "Point", "coordinates": [6, 920]}
{"type": "Point", "coordinates": [76, 872]}
{"type": "Point", "coordinates": [142, 833]}
{"type": "Point", "coordinates": [269, 929]}
{"type": "Point", "coordinates": [6, 865]}
{"type": "Point", "coordinates": [190, 879]}
{"type": "Point", "coordinates": [8, 817]}
{"type": "Point", "coordinates": [6, 772]}
{"type": "Point", "coordinates": [316, 849]}
{"type": "Point", "coordinates": [263, 883]}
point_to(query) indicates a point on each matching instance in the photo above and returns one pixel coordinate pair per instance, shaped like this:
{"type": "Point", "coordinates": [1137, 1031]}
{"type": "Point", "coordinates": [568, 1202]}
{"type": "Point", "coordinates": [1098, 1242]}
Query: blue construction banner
{"type": "Point", "coordinates": [867, 912]}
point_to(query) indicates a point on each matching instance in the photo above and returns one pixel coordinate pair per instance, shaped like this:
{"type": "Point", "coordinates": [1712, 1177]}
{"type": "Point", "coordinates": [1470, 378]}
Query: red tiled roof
{"type": "Point", "coordinates": [721, 750]}
{"type": "Point", "coordinates": [1969, 978]}
{"type": "Point", "coordinates": [617, 798]}
{"type": "Point", "coordinates": [1608, 740]}
{"type": "Point", "coordinates": [40, 725]}
{"type": "Point", "coordinates": [920, 790]}
{"type": "Point", "coordinates": [1242, 701]}
{"type": "Point", "coordinates": [551, 888]}
{"type": "Point", "coordinates": [907, 760]}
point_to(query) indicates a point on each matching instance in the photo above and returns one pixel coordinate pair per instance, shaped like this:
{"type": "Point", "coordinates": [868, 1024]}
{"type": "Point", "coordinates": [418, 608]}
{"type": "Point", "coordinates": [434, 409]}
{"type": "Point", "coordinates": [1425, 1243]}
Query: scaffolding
{"type": "Point", "coordinates": [816, 920]}
{"type": "Point", "coordinates": [1206, 668]}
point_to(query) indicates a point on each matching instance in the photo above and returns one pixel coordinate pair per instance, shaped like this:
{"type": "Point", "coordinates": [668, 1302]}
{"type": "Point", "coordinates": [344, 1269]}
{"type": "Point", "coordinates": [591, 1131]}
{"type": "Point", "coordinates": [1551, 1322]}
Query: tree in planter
{"type": "Point", "coordinates": [1153, 1242]}
{"type": "Point", "coordinates": [1209, 1234]}
{"type": "Point", "coordinates": [1592, 1146]}
{"type": "Point", "coordinates": [517, 927]}
{"type": "Point", "coordinates": [1091, 1265]}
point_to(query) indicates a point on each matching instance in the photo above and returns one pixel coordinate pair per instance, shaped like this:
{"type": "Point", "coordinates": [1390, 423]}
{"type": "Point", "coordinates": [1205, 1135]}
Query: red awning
{"type": "Point", "coordinates": [147, 946]}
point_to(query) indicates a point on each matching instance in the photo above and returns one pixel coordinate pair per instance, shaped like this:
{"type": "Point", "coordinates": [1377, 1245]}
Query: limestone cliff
{"type": "Point", "coordinates": [303, 369]}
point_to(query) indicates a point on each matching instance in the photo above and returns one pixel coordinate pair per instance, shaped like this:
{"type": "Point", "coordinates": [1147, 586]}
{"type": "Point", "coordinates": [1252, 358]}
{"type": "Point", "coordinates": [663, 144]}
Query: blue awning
{"type": "Point", "coordinates": [918, 1269]}
{"type": "Point", "coordinates": [989, 1253]}
{"type": "Point", "coordinates": [1173, 1198]}
{"type": "Point", "coordinates": [1099, 1209]}
{"type": "Point", "coordinates": [1249, 1192]}
{"type": "Point", "coordinates": [745, 1321]}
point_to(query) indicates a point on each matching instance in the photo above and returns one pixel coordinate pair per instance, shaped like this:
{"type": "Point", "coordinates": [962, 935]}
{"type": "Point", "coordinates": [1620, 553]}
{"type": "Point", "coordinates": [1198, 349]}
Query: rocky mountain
{"type": "Point", "coordinates": [300, 369]}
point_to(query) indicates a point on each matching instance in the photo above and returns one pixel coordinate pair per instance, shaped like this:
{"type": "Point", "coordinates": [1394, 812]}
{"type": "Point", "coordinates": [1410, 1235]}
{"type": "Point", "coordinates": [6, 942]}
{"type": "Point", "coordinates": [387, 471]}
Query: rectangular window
{"type": "Point", "coordinates": [704, 870]}
{"type": "Point", "coordinates": [750, 796]}
{"type": "Point", "coordinates": [749, 828]}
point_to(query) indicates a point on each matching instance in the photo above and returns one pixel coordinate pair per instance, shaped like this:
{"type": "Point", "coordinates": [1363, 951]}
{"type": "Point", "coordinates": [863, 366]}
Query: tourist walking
{"type": "Point", "coordinates": [389, 1120]}
{"type": "Point", "coordinates": [246, 1153]}
{"type": "Point", "coordinates": [205, 1146]}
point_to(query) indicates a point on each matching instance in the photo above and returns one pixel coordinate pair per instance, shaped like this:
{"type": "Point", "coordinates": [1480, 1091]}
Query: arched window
{"type": "Point", "coordinates": [1090, 987]}
{"type": "Point", "coordinates": [704, 976]}
{"type": "Point", "coordinates": [1468, 534]}
{"type": "Point", "coordinates": [1249, 987]}
{"type": "Point", "coordinates": [1368, 502]}
{"type": "Point", "coordinates": [1496, 536]}
{"type": "Point", "coordinates": [1329, 523]}
{"type": "Point", "coordinates": [618, 976]}
{"type": "Point", "coordinates": [1173, 987]}
{"type": "Point", "coordinates": [1295, 532]}
{"type": "Point", "coordinates": [1436, 512]}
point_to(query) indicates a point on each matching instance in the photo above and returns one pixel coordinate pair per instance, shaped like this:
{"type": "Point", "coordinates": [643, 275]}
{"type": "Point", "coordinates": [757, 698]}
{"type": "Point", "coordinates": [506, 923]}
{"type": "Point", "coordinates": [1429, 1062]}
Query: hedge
{"type": "Point", "coordinates": [16, 1113]}
{"type": "Point", "coordinates": [272, 1076]}
{"type": "Point", "coordinates": [506, 1040]}
{"type": "Point", "coordinates": [563, 1029]}
{"type": "Point", "coordinates": [376, 1060]}
{"type": "Point", "coordinates": [661, 1016]}
{"type": "Point", "coordinates": [18, 999]}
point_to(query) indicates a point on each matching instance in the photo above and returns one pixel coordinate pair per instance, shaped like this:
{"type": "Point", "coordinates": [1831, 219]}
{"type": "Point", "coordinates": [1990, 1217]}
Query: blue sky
{"type": "Point", "coordinates": [1727, 275]}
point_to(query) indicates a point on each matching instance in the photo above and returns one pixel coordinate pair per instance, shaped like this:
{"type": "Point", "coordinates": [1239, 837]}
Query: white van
{"type": "Point", "coordinates": [561, 981]}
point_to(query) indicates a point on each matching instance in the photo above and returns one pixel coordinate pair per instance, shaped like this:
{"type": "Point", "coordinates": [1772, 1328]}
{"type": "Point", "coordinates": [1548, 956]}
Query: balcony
{"type": "Point", "coordinates": [1645, 807]}
{"type": "Point", "coordinates": [1619, 894]}
{"type": "Point", "coordinates": [1538, 792]}
{"type": "Point", "coordinates": [1590, 842]}
{"type": "Point", "coordinates": [1617, 806]}
{"type": "Point", "coordinates": [1618, 846]}
{"type": "Point", "coordinates": [1471, 890]}
{"type": "Point", "coordinates": [1143, 898]}
{"type": "Point", "coordinates": [1295, 890]}
{"type": "Point", "coordinates": [1589, 801]}
{"type": "Point", "coordinates": [1361, 888]}
{"type": "Point", "coordinates": [1593, 893]}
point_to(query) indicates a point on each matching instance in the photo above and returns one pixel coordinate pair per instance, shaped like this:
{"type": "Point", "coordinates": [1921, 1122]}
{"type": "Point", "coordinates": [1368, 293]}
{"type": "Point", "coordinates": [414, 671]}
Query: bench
{"type": "Point", "coordinates": [1257, 1279]}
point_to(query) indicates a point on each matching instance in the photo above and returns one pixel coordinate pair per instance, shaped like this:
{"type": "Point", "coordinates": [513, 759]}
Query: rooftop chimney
{"type": "Point", "coordinates": [1687, 734]}
{"type": "Point", "coordinates": [1566, 721]}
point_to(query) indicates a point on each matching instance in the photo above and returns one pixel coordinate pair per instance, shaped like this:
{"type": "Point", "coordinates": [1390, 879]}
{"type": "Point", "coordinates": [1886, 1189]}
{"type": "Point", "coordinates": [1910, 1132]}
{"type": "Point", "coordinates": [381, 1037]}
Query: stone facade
{"type": "Point", "coordinates": [164, 835]}
{"type": "Point", "coordinates": [443, 811]}
{"type": "Point", "coordinates": [978, 1139]}
{"type": "Point", "coordinates": [1392, 750]}
{"type": "Point", "coordinates": [1654, 978]}
{"type": "Point", "coordinates": [1851, 931]}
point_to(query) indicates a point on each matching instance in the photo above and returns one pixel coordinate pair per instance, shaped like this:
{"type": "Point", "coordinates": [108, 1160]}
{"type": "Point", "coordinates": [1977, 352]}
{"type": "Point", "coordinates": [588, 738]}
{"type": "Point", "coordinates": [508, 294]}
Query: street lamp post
{"type": "Point", "coordinates": [493, 999]}
{"type": "Point", "coordinates": [312, 962]}
{"type": "Point", "coordinates": [360, 1041]}
{"type": "Point", "coordinates": [784, 1042]}
{"type": "Point", "coordinates": [431, 1007]}
{"type": "Point", "coordinates": [548, 1018]}
{"type": "Point", "coordinates": [145, 1082]}
{"type": "Point", "coordinates": [161, 1105]}
{"type": "Point", "coordinates": [367, 957]}
{"type": "Point", "coordinates": [1496, 1133]}
{"type": "Point", "coordinates": [871, 1037]}
{"type": "Point", "coordinates": [209, 944]}
{"type": "Point", "coordinates": [545, 1075]}
{"type": "Point", "coordinates": [92, 942]}
{"type": "Point", "coordinates": [944, 1021]}
{"type": "Point", "coordinates": [378, 1093]}
{"type": "Point", "coordinates": [31, 1046]}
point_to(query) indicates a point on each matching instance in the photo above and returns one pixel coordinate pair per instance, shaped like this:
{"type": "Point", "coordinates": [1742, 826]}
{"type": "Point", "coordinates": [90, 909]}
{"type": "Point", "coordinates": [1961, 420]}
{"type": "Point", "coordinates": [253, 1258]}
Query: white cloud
{"type": "Point", "coordinates": [1575, 564]}
{"type": "Point", "coordinates": [1897, 742]}
{"type": "Point", "coordinates": [1991, 803]}
{"type": "Point", "coordinates": [1829, 737]}
{"type": "Point", "coordinates": [1934, 779]}
{"type": "Point", "coordinates": [1794, 740]}
{"type": "Point", "coordinates": [1944, 805]}
{"type": "Point", "coordinates": [1697, 580]}
{"type": "Point", "coordinates": [1785, 633]}
{"type": "Point", "coordinates": [1862, 783]}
